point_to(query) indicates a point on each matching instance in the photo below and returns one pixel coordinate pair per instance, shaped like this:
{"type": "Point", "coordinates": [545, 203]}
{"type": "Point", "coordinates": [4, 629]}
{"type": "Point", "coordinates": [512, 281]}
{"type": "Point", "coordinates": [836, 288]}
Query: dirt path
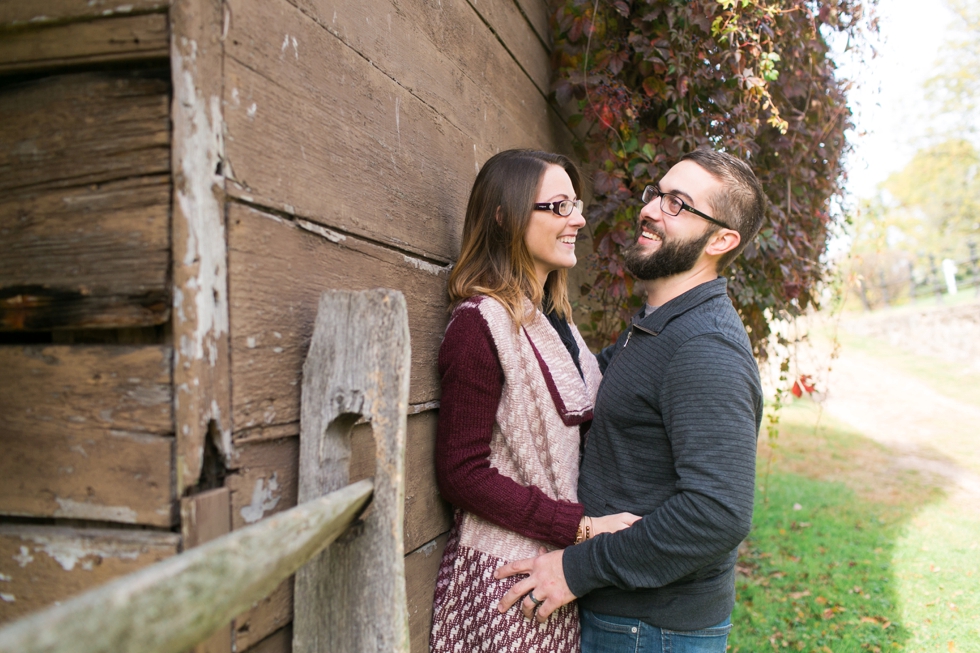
{"type": "Point", "coordinates": [929, 431]}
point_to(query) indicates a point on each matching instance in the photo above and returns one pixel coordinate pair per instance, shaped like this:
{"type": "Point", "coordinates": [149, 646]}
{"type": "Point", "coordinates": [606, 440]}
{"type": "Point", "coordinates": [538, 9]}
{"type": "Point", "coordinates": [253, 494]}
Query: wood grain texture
{"type": "Point", "coordinates": [266, 483]}
{"type": "Point", "coordinates": [444, 54]}
{"type": "Point", "coordinates": [205, 517]}
{"type": "Point", "coordinates": [280, 641]}
{"type": "Point", "coordinates": [508, 23]}
{"type": "Point", "coordinates": [253, 490]}
{"type": "Point", "coordinates": [352, 596]}
{"type": "Point", "coordinates": [269, 615]}
{"type": "Point", "coordinates": [538, 14]}
{"type": "Point", "coordinates": [85, 128]}
{"type": "Point", "coordinates": [174, 604]}
{"type": "Point", "coordinates": [17, 13]}
{"type": "Point", "coordinates": [87, 257]}
{"type": "Point", "coordinates": [280, 270]}
{"type": "Point", "coordinates": [40, 564]}
{"type": "Point", "coordinates": [301, 147]}
{"type": "Point", "coordinates": [105, 40]}
{"type": "Point", "coordinates": [421, 570]}
{"type": "Point", "coordinates": [86, 433]}
{"type": "Point", "coordinates": [202, 402]}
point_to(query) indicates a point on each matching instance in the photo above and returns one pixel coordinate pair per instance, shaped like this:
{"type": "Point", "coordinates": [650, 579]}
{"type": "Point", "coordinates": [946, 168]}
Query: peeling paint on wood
{"type": "Point", "coordinates": [200, 273]}
{"type": "Point", "coordinates": [17, 13]}
{"type": "Point", "coordinates": [41, 564]}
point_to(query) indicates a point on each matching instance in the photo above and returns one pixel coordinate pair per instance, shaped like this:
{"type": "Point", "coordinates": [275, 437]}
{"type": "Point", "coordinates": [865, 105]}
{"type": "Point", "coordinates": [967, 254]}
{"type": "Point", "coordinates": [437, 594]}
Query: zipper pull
{"type": "Point", "coordinates": [628, 336]}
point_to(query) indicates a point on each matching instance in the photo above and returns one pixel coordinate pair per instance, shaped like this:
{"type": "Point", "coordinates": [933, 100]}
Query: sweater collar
{"type": "Point", "coordinates": [655, 322]}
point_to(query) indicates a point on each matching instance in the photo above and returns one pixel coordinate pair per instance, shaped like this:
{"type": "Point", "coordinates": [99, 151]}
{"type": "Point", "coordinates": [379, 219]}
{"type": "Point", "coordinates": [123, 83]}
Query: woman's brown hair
{"type": "Point", "coordinates": [494, 259]}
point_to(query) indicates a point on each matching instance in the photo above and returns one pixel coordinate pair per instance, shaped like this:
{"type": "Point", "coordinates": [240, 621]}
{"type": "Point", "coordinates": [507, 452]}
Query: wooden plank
{"type": "Point", "coordinates": [426, 514]}
{"type": "Point", "coordinates": [85, 128]}
{"type": "Point", "coordinates": [16, 13]}
{"type": "Point", "coordinates": [280, 641]}
{"type": "Point", "coordinates": [266, 482]}
{"type": "Point", "coordinates": [40, 565]}
{"type": "Point", "coordinates": [446, 56]}
{"type": "Point", "coordinates": [202, 403]}
{"type": "Point", "coordinates": [280, 270]}
{"type": "Point", "coordinates": [205, 517]}
{"type": "Point", "coordinates": [352, 596]}
{"type": "Point", "coordinates": [81, 430]}
{"type": "Point", "coordinates": [88, 257]}
{"type": "Point", "coordinates": [538, 14]}
{"type": "Point", "coordinates": [421, 570]}
{"type": "Point", "coordinates": [266, 616]}
{"type": "Point", "coordinates": [509, 25]}
{"type": "Point", "coordinates": [136, 38]}
{"type": "Point", "coordinates": [354, 150]}
{"type": "Point", "coordinates": [172, 605]}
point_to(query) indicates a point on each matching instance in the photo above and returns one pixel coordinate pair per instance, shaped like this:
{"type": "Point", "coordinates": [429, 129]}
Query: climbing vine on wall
{"type": "Point", "coordinates": [646, 81]}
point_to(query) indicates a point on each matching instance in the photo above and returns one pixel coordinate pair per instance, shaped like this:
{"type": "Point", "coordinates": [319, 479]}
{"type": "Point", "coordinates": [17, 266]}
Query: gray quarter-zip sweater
{"type": "Point", "coordinates": [673, 440]}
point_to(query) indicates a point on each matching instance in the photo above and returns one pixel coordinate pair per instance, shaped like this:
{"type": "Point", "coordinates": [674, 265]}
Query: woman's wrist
{"type": "Point", "coordinates": [585, 530]}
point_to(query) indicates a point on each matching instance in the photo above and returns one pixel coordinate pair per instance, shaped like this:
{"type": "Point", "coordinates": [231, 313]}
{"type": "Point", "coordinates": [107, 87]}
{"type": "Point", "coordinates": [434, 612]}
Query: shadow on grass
{"type": "Point", "coordinates": [816, 573]}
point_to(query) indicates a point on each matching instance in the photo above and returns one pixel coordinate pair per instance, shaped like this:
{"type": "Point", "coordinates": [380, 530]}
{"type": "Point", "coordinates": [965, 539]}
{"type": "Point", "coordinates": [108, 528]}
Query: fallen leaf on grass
{"type": "Point", "coordinates": [951, 646]}
{"type": "Point", "coordinates": [821, 600]}
{"type": "Point", "coordinates": [799, 595]}
{"type": "Point", "coordinates": [934, 568]}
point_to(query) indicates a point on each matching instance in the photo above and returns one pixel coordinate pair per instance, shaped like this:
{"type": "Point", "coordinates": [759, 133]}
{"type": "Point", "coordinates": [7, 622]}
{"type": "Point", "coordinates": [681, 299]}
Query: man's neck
{"type": "Point", "coordinates": [661, 291]}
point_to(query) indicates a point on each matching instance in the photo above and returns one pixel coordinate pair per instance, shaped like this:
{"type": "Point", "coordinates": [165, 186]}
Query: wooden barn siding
{"type": "Point", "coordinates": [86, 431]}
{"type": "Point", "coordinates": [353, 134]}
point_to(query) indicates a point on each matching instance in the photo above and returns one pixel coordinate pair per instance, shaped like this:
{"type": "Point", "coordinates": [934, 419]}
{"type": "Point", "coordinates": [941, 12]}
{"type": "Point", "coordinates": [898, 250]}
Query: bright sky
{"type": "Point", "coordinates": [888, 105]}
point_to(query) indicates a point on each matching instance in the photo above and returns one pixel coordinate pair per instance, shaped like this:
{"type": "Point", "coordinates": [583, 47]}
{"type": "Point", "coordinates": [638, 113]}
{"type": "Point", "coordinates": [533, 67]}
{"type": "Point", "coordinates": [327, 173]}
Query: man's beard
{"type": "Point", "coordinates": [673, 257]}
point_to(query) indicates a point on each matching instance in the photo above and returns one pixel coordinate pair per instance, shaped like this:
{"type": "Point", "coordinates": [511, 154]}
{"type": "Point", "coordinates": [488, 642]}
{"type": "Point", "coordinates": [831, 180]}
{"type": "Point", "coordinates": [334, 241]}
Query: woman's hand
{"type": "Point", "coordinates": [612, 523]}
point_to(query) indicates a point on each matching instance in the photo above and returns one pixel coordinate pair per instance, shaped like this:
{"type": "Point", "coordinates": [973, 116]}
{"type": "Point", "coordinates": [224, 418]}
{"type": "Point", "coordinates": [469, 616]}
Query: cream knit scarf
{"type": "Point", "coordinates": [536, 434]}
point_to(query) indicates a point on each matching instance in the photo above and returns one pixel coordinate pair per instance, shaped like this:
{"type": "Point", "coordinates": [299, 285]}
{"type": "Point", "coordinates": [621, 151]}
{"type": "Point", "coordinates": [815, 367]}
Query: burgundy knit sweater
{"type": "Point", "coordinates": [472, 382]}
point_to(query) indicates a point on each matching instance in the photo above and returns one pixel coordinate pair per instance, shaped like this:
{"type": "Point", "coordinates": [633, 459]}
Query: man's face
{"type": "Point", "coordinates": [667, 245]}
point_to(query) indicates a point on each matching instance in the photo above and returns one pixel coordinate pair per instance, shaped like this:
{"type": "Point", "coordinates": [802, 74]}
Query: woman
{"type": "Point", "coordinates": [518, 385]}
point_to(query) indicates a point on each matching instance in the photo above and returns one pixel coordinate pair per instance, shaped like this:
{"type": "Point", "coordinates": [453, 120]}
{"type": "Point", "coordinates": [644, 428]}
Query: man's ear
{"type": "Point", "coordinates": [725, 240]}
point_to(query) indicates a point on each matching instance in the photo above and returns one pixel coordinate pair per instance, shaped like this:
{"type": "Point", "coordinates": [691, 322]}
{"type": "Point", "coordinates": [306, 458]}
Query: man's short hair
{"type": "Point", "coordinates": [742, 204]}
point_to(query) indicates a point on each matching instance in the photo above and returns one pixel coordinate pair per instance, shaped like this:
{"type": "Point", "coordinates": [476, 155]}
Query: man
{"type": "Point", "coordinates": [674, 434]}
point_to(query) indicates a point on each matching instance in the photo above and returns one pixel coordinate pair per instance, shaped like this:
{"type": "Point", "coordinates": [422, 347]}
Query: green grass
{"type": "Point", "coordinates": [850, 552]}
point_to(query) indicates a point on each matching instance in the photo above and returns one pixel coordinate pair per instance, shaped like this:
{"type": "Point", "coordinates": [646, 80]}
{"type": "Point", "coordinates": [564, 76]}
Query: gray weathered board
{"type": "Point", "coordinates": [352, 596]}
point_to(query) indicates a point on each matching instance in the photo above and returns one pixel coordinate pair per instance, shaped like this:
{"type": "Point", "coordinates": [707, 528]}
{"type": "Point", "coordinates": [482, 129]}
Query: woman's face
{"type": "Point", "coordinates": [550, 238]}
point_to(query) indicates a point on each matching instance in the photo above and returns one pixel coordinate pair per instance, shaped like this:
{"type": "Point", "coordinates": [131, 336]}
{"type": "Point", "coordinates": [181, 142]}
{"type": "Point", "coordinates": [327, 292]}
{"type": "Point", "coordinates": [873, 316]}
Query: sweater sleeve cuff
{"type": "Point", "coordinates": [564, 524]}
{"type": "Point", "coordinates": [576, 562]}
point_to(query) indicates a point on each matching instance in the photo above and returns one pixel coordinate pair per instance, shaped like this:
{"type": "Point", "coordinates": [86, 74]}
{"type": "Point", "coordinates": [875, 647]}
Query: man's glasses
{"type": "Point", "coordinates": [563, 208]}
{"type": "Point", "coordinates": [673, 205]}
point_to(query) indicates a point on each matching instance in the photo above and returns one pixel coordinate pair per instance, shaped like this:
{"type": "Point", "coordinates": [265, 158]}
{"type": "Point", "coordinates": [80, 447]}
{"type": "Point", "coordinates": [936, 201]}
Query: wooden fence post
{"type": "Point", "coordinates": [351, 597]}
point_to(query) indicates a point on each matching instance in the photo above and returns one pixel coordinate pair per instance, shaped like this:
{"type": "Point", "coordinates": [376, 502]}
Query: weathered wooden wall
{"type": "Point", "coordinates": [315, 144]}
{"type": "Point", "coordinates": [86, 389]}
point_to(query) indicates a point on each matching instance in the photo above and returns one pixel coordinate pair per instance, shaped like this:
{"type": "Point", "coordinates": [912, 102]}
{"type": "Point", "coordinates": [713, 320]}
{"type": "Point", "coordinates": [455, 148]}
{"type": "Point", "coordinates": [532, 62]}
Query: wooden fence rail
{"type": "Point", "coordinates": [172, 605]}
{"type": "Point", "coordinates": [349, 597]}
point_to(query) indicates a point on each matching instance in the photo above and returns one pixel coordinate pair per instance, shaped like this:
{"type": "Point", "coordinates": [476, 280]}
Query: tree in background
{"type": "Point", "coordinates": [955, 88]}
{"type": "Point", "coordinates": [930, 209]}
{"type": "Point", "coordinates": [648, 81]}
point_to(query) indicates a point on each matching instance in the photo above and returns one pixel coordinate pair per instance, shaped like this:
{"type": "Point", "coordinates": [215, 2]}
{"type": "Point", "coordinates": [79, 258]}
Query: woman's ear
{"type": "Point", "coordinates": [500, 219]}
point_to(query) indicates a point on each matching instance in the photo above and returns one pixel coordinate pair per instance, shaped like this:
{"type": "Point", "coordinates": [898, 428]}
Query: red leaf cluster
{"type": "Point", "coordinates": [648, 80]}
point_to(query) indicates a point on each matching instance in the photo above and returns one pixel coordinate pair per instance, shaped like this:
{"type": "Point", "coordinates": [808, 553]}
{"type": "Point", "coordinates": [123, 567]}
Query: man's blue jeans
{"type": "Point", "coordinates": [607, 634]}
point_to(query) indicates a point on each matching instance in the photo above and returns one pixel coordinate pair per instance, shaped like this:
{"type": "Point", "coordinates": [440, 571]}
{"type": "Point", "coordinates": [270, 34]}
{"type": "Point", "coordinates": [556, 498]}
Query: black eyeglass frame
{"type": "Point", "coordinates": [684, 205]}
{"type": "Point", "coordinates": [555, 207]}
